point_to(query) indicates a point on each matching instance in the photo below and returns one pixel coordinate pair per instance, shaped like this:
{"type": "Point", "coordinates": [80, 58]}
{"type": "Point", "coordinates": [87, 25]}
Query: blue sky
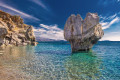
{"type": "Point", "coordinates": [49, 16]}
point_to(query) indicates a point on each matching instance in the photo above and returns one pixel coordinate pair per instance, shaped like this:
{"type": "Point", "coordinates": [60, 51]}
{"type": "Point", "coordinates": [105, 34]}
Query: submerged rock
{"type": "Point", "coordinates": [13, 31]}
{"type": "Point", "coordinates": [83, 34]}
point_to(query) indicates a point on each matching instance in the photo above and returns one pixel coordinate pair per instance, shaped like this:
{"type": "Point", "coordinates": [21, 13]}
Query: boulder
{"type": "Point", "coordinates": [83, 34]}
{"type": "Point", "coordinates": [3, 32]}
{"type": "Point", "coordinates": [30, 34]}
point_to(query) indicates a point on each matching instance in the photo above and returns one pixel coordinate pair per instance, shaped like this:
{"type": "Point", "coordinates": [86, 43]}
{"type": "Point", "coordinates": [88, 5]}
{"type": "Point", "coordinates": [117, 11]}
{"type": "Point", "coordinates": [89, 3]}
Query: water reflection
{"type": "Point", "coordinates": [83, 66]}
{"type": "Point", "coordinates": [12, 59]}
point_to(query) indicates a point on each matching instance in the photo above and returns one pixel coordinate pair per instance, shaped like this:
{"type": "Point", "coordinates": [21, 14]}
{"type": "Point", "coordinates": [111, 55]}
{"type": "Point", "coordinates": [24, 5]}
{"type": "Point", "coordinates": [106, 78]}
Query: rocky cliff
{"type": "Point", "coordinates": [83, 34]}
{"type": "Point", "coordinates": [13, 31]}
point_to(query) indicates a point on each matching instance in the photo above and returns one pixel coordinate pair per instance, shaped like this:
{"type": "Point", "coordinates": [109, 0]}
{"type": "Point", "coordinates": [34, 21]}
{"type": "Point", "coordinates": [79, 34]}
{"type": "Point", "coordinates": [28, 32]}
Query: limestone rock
{"type": "Point", "coordinates": [83, 34]}
{"type": "Point", "coordinates": [13, 31]}
{"type": "Point", "coordinates": [3, 32]}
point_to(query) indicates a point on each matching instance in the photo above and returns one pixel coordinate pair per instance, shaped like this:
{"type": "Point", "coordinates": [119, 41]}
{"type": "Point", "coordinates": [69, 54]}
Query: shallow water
{"type": "Point", "coordinates": [54, 61]}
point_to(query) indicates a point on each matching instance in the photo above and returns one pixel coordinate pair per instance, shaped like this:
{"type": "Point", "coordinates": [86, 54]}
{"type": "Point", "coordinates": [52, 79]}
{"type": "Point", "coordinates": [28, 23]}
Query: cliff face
{"type": "Point", "coordinates": [83, 34]}
{"type": "Point", "coordinates": [13, 31]}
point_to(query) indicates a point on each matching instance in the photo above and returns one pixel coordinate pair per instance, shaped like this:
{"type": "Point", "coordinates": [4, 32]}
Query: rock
{"type": "Point", "coordinates": [24, 44]}
{"type": "Point", "coordinates": [34, 43]}
{"type": "Point", "coordinates": [13, 31]}
{"type": "Point", "coordinates": [10, 26]}
{"type": "Point", "coordinates": [83, 34]}
{"type": "Point", "coordinates": [30, 34]}
{"type": "Point", "coordinates": [3, 32]}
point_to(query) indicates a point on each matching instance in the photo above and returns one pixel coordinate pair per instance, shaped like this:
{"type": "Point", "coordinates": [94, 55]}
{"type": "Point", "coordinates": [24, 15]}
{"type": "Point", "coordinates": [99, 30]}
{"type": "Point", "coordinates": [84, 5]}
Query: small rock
{"type": "Point", "coordinates": [34, 43]}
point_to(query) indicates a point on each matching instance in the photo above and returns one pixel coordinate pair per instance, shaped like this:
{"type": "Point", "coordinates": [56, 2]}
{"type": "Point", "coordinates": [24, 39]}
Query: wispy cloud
{"type": "Point", "coordinates": [107, 25]}
{"type": "Point", "coordinates": [49, 31]}
{"type": "Point", "coordinates": [107, 2]}
{"type": "Point", "coordinates": [25, 15]}
{"type": "Point", "coordinates": [39, 2]}
{"type": "Point", "coordinates": [111, 36]}
{"type": "Point", "coordinates": [118, 0]}
{"type": "Point", "coordinates": [112, 23]}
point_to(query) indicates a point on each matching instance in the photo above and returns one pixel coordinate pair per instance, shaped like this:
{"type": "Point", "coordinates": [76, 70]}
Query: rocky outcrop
{"type": "Point", "coordinates": [83, 34]}
{"type": "Point", "coordinates": [13, 31]}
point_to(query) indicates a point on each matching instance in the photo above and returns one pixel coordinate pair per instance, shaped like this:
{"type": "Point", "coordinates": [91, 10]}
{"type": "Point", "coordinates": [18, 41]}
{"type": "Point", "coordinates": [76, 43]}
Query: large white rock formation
{"type": "Point", "coordinates": [83, 34]}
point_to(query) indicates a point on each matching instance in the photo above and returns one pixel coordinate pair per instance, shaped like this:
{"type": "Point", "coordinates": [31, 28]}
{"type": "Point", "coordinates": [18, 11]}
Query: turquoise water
{"type": "Point", "coordinates": [54, 61]}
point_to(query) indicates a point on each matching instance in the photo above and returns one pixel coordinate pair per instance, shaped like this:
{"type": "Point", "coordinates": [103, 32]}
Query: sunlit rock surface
{"type": "Point", "coordinates": [13, 31]}
{"type": "Point", "coordinates": [83, 34]}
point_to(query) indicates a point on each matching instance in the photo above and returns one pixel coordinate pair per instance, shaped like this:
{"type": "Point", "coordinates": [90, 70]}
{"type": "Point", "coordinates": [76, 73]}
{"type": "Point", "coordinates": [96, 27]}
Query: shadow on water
{"type": "Point", "coordinates": [83, 66]}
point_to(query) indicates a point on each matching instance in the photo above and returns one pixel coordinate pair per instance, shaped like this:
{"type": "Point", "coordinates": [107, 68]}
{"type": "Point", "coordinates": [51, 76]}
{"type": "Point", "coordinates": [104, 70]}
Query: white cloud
{"type": "Point", "coordinates": [25, 15]}
{"type": "Point", "coordinates": [113, 16]}
{"type": "Point", "coordinates": [49, 31]}
{"type": "Point", "coordinates": [51, 27]}
{"type": "Point", "coordinates": [111, 36]}
{"type": "Point", "coordinates": [104, 23]}
{"type": "Point", "coordinates": [107, 25]}
{"type": "Point", "coordinates": [107, 22]}
{"type": "Point", "coordinates": [39, 2]}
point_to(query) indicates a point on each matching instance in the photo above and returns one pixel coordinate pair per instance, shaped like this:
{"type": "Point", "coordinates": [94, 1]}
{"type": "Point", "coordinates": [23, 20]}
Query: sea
{"type": "Point", "coordinates": [55, 61]}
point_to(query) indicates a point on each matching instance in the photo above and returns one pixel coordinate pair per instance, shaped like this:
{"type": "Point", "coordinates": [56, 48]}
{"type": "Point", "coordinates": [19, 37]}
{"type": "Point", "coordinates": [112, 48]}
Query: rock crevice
{"type": "Point", "coordinates": [83, 34]}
